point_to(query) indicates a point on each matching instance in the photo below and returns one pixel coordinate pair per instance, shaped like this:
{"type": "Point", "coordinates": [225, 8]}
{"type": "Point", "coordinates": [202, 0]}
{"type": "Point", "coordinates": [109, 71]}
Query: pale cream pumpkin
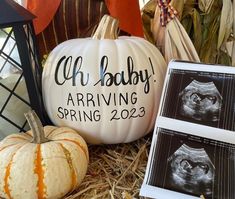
{"type": "Point", "coordinates": [45, 162]}
{"type": "Point", "coordinates": [106, 87]}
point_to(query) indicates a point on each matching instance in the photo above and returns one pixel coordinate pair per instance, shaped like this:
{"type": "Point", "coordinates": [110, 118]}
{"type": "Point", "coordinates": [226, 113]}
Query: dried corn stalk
{"type": "Point", "coordinates": [210, 24]}
{"type": "Point", "coordinates": [158, 31]}
{"type": "Point", "coordinates": [203, 26]}
{"type": "Point", "coordinates": [178, 44]}
{"type": "Point", "coordinates": [172, 39]}
{"type": "Point", "coordinates": [205, 5]}
{"type": "Point", "coordinates": [233, 49]}
{"type": "Point", "coordinates": [179, 6]}
{"type": "Point", "coordinates": [147, 14]}
{"type": "Point", "coordinates": [192, 23]}
{"type": "Point", "coordinates": [226, 22]}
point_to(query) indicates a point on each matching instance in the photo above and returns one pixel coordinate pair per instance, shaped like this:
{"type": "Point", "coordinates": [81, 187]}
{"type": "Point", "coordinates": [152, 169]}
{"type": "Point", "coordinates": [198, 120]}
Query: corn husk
{"type": "Point", "coordinates": [209, 52]}
{"type": "Point", "coordinates": [205, 5]}
{"type": "Point", "coordinates": [226, 22]}
{"type": "Point", "coordinates": [202, 197]}
{"type": "Point", "coordinates": [186, 20]}
{"type": "Point", "coordinates": [158, 31]}
{"type": "Point", "coordinates": [179, 6]}
{"type": "Point", "coordinates": [173, 40]}
{"type": "Point", "coordinates": [178, 44]}
{"type": "Point", "coordinates": [203, 29]}
{"type": "Point", "coordinates": [192, 21]}
{"type": "Point", "coordinates": [233, 48]}
{"type": "Point", "coordinates": [203, 26]}
{"type": "Point", "coordinates": [147, 14]}
{"type": "Point", "coordinates": [209, 26]}
{"type": "Point", "coordinates": [229, 47]}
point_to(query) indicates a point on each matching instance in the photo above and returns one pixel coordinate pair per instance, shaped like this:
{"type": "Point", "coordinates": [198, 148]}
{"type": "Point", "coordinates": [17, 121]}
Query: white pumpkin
{"type": "Point", "coordinates": [106, 87]}
{"type": "Point", "coordinates": [45, 162]}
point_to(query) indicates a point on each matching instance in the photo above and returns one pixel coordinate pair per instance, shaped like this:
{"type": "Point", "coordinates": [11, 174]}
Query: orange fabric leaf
{"type": "Point", "coordinates": [44, 11]}
{"type": "Point", "coordinates": [128, 13]}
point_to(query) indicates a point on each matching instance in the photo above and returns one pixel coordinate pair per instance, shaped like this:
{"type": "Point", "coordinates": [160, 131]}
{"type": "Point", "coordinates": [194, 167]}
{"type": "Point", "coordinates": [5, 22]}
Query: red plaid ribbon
{"type": "Point", "coordinates": [167, 11]}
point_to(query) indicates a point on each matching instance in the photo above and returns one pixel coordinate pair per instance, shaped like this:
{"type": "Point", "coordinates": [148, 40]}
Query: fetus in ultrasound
{"type": "Point", "coordinates": [201, 101]}
{"type": "Point", "coordinates": [191, 170]}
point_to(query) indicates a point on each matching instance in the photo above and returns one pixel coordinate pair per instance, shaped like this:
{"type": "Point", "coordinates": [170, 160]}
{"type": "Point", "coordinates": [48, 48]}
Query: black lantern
{"type": "Point", "coordinates": [20, 69]}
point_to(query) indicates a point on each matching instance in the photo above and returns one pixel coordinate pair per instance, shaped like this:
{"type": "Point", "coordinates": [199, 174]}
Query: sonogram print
{"type": "Point", "coordinates": [201, 101]}
{"type": "Point", "coordinates": [191, 170]}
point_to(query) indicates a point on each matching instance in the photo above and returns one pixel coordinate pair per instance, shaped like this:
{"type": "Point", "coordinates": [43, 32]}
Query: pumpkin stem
{"type": "Point", "coordinates": [107, 28]}
{"type": "Point", "coordinates": [36, 127]}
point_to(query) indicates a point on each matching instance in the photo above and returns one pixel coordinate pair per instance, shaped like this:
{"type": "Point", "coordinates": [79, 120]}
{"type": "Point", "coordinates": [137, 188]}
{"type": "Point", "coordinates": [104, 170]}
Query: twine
{"type": "Point", "coordinates": [167, 11]}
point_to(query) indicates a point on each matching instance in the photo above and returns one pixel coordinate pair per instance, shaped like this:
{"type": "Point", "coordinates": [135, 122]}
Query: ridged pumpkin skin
{"type": "Point", "coordinates": [48, 170]}
{"type": "Point", "coordinates": [112, 120]}
{"type": "Point", "coordinates": [63, 98]}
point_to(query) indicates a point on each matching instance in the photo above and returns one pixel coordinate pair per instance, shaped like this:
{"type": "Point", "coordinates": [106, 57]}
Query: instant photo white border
{"type": "Point", "coordinates": [183, 127]}
{"type": "Point", "coordinates": [203, 131]}
{"type": "Point", "coordinates": [156, 192]}
{"type": "Point", "coordinates": [191, 66]}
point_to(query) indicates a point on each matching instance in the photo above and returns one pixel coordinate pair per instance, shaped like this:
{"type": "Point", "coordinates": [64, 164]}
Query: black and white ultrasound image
{"type": "Point", "coordinates": [201, 101]}
{"type": "Point", "coordinates": [191, 170]}
{"type": "Point", "coordinates": [201, 97]}
{"type": "Point", "coordinates": [193, 165]}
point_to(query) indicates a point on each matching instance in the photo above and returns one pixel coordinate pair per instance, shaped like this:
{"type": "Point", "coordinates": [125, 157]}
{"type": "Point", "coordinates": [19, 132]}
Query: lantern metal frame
{"type": "Point", "coordinates": [18, 21]}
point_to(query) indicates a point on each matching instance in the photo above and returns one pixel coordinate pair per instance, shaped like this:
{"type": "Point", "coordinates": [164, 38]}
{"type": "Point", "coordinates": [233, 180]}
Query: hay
{"type": "Point", "coordinates": [115, 171]}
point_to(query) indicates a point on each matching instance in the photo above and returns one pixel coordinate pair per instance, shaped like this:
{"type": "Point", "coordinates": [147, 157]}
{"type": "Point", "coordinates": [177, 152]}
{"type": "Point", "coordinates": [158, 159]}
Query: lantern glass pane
{"type": "Point", "coordinates": [15, 110]}
{"type": "Point", "coordinates": [14, 99]}
{"type": "Point", "coordinates": [15, 55]}
{"type": "Point", "coordinates": [9, 55]}
{"type": "Point", "coordinates": [9, 44]}
{"type": "Point", "coordinates": [21, 90]}
{"type": "Point", "coordinates": [5, 67]}
{"type": "Point", "coordinates": [9, 81]}
{"type": "Point", "coordinates": [4, 95]}
{"type": "Point", "coordinates": [6, 128]}
{"type": "Point", "coordinates": [3, 35]}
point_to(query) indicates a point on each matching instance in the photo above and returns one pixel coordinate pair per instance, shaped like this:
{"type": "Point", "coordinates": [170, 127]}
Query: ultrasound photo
{"type": "Point", "coordinates": [191, 170]}
{"type": "Point", "coordinates": [205, 98]}
{"type": "Point", "coordinates": [201, 101]}
{"type": "Point", "coordinates": [192, 165]}
{"type": "Point", "coordinates": [187, 160]}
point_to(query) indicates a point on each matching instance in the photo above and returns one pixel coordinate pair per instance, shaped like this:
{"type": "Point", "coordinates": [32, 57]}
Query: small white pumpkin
{"type": "Point", "coordinates": [34, 165]}
{"type": "Point", "coordinates": [107, 87]}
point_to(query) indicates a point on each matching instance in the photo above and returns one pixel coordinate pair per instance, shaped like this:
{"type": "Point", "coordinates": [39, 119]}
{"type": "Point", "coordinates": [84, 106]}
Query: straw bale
{"type": "Point", "coordinates": [115, 171]}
